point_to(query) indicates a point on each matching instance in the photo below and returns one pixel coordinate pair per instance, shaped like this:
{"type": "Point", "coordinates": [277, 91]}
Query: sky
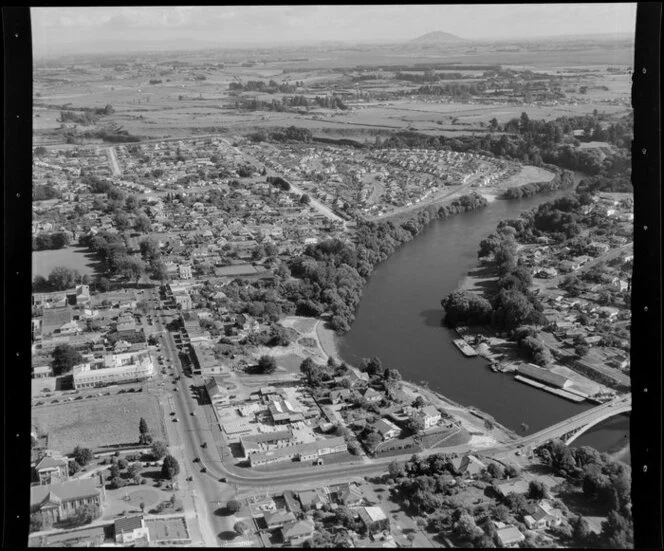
{"type": "Point", "coordinates": [87, 27]}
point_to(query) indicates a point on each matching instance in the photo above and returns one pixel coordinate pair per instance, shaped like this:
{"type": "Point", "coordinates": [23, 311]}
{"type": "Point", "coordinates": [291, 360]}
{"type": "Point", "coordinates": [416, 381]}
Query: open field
{"type": "Point", "coordinates": [100, 422]}
{"type": "Point", "coordinates": [75, 258]}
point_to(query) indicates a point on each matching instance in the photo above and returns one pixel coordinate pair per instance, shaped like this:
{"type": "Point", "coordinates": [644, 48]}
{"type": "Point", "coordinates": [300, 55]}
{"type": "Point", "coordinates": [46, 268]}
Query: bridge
{"type": "Point", "coordinates": [570, 429]}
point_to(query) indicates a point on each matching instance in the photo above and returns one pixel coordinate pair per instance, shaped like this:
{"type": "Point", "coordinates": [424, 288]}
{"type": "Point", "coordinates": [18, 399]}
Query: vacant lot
{"type": "Point", "coordinates": [75, 258]}
{"type": "Point", "coordinates": [98, 423]}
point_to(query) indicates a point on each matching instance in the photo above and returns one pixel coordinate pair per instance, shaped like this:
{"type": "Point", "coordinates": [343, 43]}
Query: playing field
{"type": "Point", "coordinates": [98, 423]}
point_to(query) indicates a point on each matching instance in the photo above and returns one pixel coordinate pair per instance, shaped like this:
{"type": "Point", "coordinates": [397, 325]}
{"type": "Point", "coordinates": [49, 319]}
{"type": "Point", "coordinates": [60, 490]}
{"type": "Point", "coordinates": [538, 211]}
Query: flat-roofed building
{"type": "Point", "coordinates": [255, 443]}
{"type": "Point", "coordinates": [114, 368]}
{"type": "Point", "coordinates": [301, 452]}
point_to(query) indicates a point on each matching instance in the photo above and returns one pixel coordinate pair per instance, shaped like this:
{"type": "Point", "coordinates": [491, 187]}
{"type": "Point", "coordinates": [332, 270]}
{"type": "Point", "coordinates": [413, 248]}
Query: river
{"type": "Point", "coordinates": [399, 321]}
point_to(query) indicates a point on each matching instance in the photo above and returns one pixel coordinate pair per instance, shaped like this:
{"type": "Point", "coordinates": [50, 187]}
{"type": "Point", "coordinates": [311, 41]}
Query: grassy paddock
{"type": "Point", "coordinates": [106, 421]}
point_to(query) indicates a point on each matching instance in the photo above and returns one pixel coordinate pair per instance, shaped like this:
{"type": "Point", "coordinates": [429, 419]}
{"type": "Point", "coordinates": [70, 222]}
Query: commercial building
{"type": "Point", "coordinates": [114, 368]}
{"type": "Point", "coordinates": [299, 452]}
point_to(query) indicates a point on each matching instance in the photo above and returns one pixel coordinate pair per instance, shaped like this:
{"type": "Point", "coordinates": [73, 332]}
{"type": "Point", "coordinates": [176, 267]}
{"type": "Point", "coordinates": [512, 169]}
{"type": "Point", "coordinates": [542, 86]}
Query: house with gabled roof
{"type": "Point", "coordinates": [52, 468]}
{"type": "Point", "coordinates": [297, 532]}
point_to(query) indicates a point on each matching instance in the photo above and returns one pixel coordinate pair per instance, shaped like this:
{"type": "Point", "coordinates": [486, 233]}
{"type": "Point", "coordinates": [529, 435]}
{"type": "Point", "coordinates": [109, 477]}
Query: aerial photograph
{"type": "Point", "coordinates": [332, 276]}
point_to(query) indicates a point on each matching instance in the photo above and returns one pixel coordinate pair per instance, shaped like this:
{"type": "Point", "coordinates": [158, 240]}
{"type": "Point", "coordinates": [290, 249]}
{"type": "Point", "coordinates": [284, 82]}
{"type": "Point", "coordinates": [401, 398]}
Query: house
{"type": "Point", "coordinates": [278, 519]}
{"type": "Point", "coordinates": [61, 500]}
{"type": "Point", "coordinates": [387, 429]}
{"type": "Point", "coordinates": [52, 468]}
{"type": "Point", "coordinates": [292, 504]}
{"type": "Point", "coordinates": [350, 495]}
{"type": "Point", "coordinates": [430, 415]}
{"type": "Point", "coordinates": [516, 486]}
{"type": "Point", "coordinates": [184, 271]}
{"type": "Point", "coordinates": [509, 536]}
{"type": "Point", "coordinates": [131, 530]}
{"type": "Point", "coordinates": [340, 395]}
{"type": "Point", "coordinates": [312, 499]}
{"type": "Point", "coordinates": [297, 532]}
{"type": "Point", "coordinates": [468, 466]}
{"type": "Point", "coordinates": [374, 519]}
{"type": "Point", "coordinates": [372, 395]}
{"type": "Point", "coordinates": [543, 515]}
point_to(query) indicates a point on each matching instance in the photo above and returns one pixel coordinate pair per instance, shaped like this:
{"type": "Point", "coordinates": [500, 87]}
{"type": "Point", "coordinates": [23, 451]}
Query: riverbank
{"type": "Point", "coordinates": [481, 435]}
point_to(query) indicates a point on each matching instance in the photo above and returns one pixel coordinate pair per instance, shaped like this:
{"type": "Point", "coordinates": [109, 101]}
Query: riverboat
{"type": "Point", "coordinates": [465, 348]}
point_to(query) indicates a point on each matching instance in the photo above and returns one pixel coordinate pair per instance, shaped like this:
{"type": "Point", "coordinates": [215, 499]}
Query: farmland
{"type": "Point", "coordinates": [78, 422]}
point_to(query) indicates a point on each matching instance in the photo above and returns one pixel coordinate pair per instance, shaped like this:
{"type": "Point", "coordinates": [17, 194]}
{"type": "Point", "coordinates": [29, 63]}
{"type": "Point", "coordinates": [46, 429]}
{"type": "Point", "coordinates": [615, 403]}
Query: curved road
{"type": "Point", "coordinates": [211, 494]}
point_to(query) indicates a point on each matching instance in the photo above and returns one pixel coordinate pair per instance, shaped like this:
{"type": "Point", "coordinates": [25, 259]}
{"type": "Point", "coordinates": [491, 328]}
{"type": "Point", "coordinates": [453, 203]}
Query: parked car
{"type": "Point", "coordinates": [204, 470]}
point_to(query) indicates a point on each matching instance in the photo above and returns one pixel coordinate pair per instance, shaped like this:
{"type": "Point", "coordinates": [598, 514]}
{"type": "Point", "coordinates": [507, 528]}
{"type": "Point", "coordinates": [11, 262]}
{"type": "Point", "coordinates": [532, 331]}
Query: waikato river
{"type": "Point", "coordinates": [399, 321]}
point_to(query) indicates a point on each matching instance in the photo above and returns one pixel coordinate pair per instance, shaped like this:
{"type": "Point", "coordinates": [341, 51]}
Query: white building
{"type": "Point", "coordinates": [184, 271]}
{"type": "Point", "coordinates": [114, 368]}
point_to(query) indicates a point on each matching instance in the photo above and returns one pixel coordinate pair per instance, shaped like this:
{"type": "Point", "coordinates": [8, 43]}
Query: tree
{"type": "Point", "coordinates": [62, 278]}
{"type": "Point", "coordinates": [103, 284]}
{"type": "Point", "coordinates": [537, 490]}
{"type": "Point", "coordinates": [267, 364]}
{"type": "Point", "coordinates": [233, 506]}
{"type": "Point", "coordinates": [372, 366]}
{"type": "Point", "coordinates": [123, 463]}
{"type": "Point", "coordinates": [83, 456]}
{"type": "Point", "coordinates": [581, 350]}
{"type": "Point", "coordinates": [158, 450]}
{"type": "Point", "coordinates": [131, 268]}
{"type": "Point", "coordinates": [134, 469]}
{"type": "Point", "coordinates": [415, 424]}
{"type": "Point", "coordinates": [305, 199]}
{"type": "Point", "coordinates": [496, 470]}
{"type": "Point", "coordinates": [122, 221]}
{"type": "Point", "coordinates": [65, 357]}
{"type": "Point", "coordinates": [143, 224]}
{"type": "Point", "coordinates": [419, 402]}
{"type": "Point", "coordinates": [86, 514]}
{"type": "Point", "coordinates": [142, 427]}
{"type": "Point", "coordinates": [170, 467]}
{"type": "Point", "coordinates": [39, 521]}
{"type": "Point", "coordinates": [114, 471]}
{"type": "Point", "coordinates": [395, 470]}
{"type": "Point", "coordinates": [580, 530]}
{"type": "Point", "coordinates": [240, 528]}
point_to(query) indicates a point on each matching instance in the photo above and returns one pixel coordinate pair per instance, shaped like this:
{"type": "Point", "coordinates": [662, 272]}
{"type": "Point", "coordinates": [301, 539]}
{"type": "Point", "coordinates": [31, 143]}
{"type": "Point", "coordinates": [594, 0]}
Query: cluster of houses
{"type": "Point", "coordinates": [378, 181]}
{"type": "Point", "coordinates": [289, 515]}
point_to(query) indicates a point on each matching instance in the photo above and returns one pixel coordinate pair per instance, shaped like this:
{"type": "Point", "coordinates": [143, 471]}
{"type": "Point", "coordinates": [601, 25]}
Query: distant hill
{"type": "Point", "coordinates": [436, 37]}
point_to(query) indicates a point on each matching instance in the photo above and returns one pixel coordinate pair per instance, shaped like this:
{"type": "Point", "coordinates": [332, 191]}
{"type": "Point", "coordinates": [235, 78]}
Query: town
{"type": "Point", "coordinates": [201, 240]}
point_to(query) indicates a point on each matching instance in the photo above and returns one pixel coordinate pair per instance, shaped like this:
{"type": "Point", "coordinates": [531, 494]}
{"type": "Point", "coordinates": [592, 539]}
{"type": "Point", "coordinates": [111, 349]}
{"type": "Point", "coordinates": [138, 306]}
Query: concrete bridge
{"type": "Point", "coordinates": [570, 429]}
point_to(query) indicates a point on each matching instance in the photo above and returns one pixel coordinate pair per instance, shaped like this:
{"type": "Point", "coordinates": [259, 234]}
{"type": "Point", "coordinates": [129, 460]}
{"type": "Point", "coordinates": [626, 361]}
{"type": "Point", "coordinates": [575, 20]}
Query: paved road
{"type": "Point", "coordinates": [113, 160]}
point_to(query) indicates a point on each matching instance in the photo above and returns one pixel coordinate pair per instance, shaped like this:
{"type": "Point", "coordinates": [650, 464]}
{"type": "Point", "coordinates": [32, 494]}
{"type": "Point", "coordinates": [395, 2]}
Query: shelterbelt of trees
{"type": "Point", "coordinates": [330, 275]}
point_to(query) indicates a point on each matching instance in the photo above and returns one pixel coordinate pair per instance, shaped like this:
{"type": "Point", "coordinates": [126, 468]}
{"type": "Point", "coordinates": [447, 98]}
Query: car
{"type": "Point", "coordinates": [518, 452]}
{"type": "Point", "coordinates": [175, 419]}
{"type": "Point", "coordinates": [172, 413]}
{"type": "Point", "coordinates": [222, 479]}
